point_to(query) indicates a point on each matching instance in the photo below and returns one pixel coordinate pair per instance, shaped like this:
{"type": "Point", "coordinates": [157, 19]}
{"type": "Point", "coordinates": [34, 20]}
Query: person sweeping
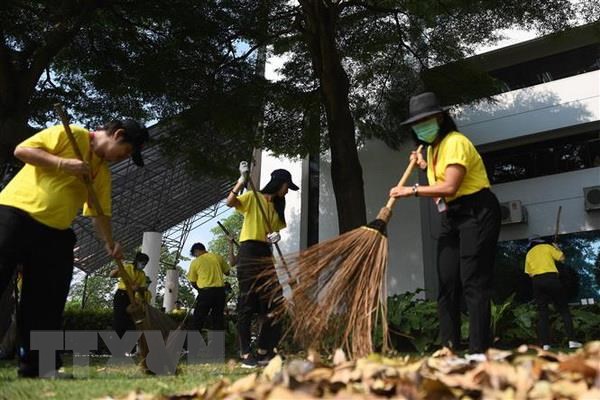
{"type": "Point", "coordinates": [207, 275]}
{"type": "Point", "coordinates": [37, 208]}
{"type": "Point", "coordinates": [257, 292]}
{"type": "Point", "coordinates": [540, 265]}
{"type": "Point", "coordinates": [122, 321]}
{"type": "Point", "coordinates": [470, 220]}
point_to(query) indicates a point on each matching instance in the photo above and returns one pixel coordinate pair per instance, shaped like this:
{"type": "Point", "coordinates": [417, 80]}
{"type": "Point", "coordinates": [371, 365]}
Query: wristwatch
{"type": "Point", "coordinates": [415, 189]}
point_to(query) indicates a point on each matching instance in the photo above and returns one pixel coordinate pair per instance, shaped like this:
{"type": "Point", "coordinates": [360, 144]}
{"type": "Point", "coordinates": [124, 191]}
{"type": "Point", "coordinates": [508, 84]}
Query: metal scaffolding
{"type": "Point", "coordinates": [160, 197]}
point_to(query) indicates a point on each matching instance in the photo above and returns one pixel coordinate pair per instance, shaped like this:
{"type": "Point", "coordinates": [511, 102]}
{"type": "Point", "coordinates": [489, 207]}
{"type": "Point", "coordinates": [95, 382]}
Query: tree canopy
{"type": "Point", "coordinates": [350, 67]}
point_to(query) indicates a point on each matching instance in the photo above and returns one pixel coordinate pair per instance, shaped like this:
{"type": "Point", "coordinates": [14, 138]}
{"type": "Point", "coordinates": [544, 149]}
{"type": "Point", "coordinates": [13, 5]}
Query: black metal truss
{"type": "Point", "coordinates": [160, 197]}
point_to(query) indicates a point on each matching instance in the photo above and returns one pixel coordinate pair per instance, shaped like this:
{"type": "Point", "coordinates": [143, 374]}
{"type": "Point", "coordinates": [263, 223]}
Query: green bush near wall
{"type": "Point", "coordinates": [414, 323]}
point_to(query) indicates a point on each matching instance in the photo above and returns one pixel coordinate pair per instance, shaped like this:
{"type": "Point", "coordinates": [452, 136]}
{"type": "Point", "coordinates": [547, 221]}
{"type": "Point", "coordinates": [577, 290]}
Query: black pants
{"type": "Point", "coordinates": [210, 300]}
{"type": "Point", "coordinates": [46, 255]}
{"type": "Point", "coordinates": [548, 289]}
{"type": "Point", "coordinates": [259, 293]}
{"type": "Point", "coordinates": [122, 320]}
{"type": "Point", "coordinates": [466, 253]}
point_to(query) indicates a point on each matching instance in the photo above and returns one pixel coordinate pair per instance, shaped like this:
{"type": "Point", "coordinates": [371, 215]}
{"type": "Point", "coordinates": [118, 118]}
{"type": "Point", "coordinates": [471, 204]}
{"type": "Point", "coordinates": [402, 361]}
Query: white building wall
{"type": "Point", "coordinates": [542, 196]}
{"type": "Point", "coordinates": [558, 104]}
{"type": "Point", "coordinates": [562, 103]}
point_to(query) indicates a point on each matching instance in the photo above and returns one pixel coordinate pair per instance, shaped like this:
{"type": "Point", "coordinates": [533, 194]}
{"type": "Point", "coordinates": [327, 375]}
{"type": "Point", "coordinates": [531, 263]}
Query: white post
{"type": "Point", "coordinates": [151, 244]}
{"type": "Point", "coordinates": [171, 290]}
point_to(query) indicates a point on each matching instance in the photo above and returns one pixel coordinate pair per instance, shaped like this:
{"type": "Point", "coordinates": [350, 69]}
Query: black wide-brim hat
{"type": "Point", "coordinates": [421, 106]}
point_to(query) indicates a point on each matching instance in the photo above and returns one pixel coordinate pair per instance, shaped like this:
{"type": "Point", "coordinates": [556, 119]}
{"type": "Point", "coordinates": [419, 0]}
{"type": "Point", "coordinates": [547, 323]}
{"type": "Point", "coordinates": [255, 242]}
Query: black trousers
{"type": "Point", "coordinates": [259, 293]}
{"type": "Point", "coordinates": [122, 321]}
{"type": "Point", "coordinates": [210, 300]}
{"type": "Point", "coordinates": [46, 255]}
{"type": "Point", "coordinates": [466, 254]}
{"type": "Point", "coordinates": [547, 289]}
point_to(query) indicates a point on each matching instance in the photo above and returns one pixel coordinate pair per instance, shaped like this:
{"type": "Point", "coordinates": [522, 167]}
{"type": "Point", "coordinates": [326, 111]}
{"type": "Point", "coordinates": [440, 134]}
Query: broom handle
{"type": "Point", "coordinates": [228, 234]}
{"type": "Point", "coordinates": [557, 224]}
{"type": "Point", "coordinates": [93, 198]}
{"type": "Point", "coordinates": [409, 170]}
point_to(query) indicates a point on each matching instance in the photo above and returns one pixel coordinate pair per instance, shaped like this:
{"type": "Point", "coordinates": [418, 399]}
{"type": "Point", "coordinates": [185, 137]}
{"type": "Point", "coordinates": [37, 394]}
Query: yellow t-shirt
{"type": "Point", "coordinates": [541, 259]}
{"type": "Point", "coordinates": [52, 197]}
{"type": "Point", "coordinates": [456, 148]}
{"type": "Point", "coordinates": [254, 226]}
{"type": "Point", "coordinates": [207, 270]}
{"type": "Point", "coordinates": [136, 277]}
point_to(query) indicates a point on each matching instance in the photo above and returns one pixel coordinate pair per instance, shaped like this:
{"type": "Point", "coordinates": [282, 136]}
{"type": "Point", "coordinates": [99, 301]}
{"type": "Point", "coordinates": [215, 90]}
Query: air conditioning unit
{"type": "Point", "coordinates": [591, 195]}
{"type": "Point", "coordinates": [512, 212]}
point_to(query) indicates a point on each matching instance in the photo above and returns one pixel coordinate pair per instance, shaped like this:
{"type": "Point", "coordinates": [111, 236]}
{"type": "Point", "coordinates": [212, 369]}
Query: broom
{"type": "Point", "coordinates": [341, 290]}
{"type": "Point", "coordinates": [144, 316]}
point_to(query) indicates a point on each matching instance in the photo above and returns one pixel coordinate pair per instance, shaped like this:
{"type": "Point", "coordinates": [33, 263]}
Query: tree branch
{"type": "Point", "coordinates": [251, 50]}
{"type": "Point", "coordinates": [56, 40]}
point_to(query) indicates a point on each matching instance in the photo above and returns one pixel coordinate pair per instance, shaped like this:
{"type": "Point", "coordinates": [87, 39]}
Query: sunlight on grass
{"type": "Point", "coordinates": [98, 381]}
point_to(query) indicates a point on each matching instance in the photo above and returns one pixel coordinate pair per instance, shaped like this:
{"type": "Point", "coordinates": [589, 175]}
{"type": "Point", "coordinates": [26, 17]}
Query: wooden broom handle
{"type": "Point", "coordinates": [93, 197]}
{"type": "Point", "coordinates": [405, 176]}
{"type": "Point", "coordinates": [557, 224]}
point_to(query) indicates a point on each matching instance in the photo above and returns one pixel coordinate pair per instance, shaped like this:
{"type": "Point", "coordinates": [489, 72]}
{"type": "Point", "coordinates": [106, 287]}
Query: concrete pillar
{"type": "Point", "coordinates": [171, 289]}
{"type": "Point", "coordinates": [151, 244]}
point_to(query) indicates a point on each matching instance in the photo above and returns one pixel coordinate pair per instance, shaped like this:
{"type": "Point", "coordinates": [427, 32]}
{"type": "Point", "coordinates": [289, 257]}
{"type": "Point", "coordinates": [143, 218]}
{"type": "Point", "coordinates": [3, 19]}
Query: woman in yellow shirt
{"type": "Point", "coordinates": [37, 208]}
{"type": "Point", "coordinates": [255, 245]}
{"type": "Point", "coordinates": [470, 220]}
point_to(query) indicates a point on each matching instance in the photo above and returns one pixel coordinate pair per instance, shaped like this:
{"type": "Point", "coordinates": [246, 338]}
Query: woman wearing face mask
{"type": "Point", "coordinates": [470, 220]}
{"type": "Point", "coordinates": [122, 321]}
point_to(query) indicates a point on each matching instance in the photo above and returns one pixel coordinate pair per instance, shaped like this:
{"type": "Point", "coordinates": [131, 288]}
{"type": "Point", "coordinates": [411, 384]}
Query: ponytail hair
{"type": "Point", "coordinates": [272, 187]}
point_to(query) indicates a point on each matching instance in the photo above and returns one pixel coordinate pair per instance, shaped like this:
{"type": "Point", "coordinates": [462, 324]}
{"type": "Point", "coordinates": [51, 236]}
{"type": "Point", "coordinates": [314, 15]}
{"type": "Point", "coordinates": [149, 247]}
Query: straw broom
{"type": "Point", "coordinates": [341, 290]}
{"type": "Point", "coordinates": [144, 316]}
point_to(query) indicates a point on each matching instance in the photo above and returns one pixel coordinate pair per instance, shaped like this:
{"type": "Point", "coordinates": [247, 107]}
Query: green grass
{"type": "Point", "coordinates": [97, 381]}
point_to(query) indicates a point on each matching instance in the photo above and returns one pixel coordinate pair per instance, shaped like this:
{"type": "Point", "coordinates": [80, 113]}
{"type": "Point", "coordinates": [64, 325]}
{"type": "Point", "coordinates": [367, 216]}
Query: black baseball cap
{"type": "Point", "coordinates": [134, 133]}
{"type": "Point", "coordinates": [285, 176]}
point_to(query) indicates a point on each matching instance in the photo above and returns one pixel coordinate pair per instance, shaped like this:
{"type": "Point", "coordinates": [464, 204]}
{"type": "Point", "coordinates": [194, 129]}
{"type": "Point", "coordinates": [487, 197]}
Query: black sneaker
{"type": "Point", "coordinates": [249, 361]}
{"type": "Point", "coordinates": [264, 359]}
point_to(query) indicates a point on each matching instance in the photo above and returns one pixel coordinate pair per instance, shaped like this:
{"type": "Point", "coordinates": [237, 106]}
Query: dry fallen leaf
{"type": "Point", "coordinates": [339, 357]}
{"type": "Point", "coordinates": [273, 368]}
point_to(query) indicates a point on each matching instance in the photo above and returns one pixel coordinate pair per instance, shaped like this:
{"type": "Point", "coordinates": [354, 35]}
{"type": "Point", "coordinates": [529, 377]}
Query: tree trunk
{"type": "Point", "coordinates": [320, 19]}
{"type": "Point", "coordinates": [15, 94]}
{"type": "Point", "coordinates": [13, 130]}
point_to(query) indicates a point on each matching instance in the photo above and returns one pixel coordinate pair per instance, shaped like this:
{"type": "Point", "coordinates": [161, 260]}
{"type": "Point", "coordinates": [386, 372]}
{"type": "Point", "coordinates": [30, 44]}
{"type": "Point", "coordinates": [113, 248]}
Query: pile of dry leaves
{"type": "Point", "coordinates": [527, 373]}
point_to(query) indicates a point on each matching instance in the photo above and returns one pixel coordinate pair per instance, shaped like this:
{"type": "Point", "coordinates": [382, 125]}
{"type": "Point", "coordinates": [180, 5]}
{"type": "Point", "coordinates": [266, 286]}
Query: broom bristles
{"type": "Point", "coordinates": [339, 294]}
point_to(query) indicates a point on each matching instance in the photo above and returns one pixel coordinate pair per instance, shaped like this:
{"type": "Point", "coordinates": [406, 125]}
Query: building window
{"type": "Point", "coordinates": [543, 158]}
{"type": "Point", "coordinates": [550, 68]}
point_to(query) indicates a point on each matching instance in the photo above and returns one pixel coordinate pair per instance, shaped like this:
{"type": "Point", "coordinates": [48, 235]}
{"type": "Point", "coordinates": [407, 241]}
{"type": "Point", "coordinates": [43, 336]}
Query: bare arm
{"type": "Point", "coordinates": [231, 258]}
{"type": "Point", "coordinates": [41, 158]}
{"type": "Point", "coordinates": [454, 177]}
{"type": "Point", "coordinates": [104, 232]}
{"type": "Point", "coordinates": [232, 200]}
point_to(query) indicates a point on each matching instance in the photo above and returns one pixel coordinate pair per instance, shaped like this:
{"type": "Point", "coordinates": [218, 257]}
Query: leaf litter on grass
{"type": "Point", "coordinates": [525, 373]}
